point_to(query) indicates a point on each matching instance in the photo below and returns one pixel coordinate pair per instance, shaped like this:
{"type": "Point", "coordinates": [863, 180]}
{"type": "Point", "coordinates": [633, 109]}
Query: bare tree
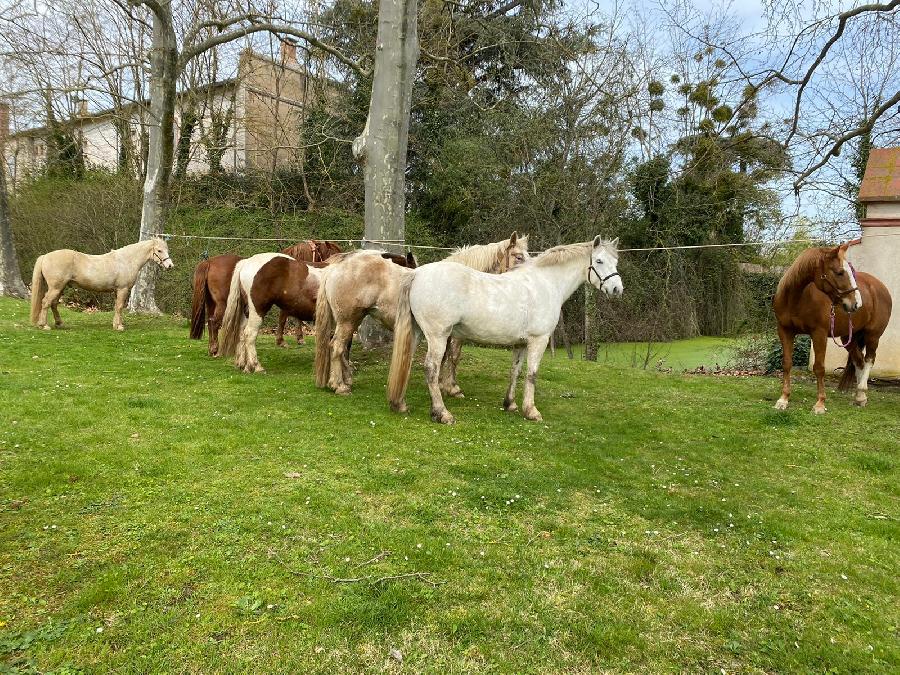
{"type": "Point", "coordinates": [222, 24]}
{"type": "Point", "coordinates": [10, 277]}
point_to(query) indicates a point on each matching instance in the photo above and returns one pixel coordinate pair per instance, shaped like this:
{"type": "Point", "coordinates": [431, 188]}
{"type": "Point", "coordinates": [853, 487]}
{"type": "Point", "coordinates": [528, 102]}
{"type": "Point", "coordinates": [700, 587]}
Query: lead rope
{"type": "Point", "coordinates": [834, 337]}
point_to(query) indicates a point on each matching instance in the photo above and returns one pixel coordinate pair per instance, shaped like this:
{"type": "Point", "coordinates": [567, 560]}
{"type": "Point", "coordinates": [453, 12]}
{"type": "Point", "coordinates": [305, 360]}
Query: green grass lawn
{"type": "Point", "coordinates": [678, 354]}
{"type": "Point", "coordinates": [161, 512]}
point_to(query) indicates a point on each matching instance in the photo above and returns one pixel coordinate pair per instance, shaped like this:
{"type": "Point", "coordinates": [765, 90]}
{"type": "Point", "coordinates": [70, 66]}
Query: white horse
{"type": "Point", "coordinates": [519, 308]}
{"type": "Point", "coordinates": [114, 271]}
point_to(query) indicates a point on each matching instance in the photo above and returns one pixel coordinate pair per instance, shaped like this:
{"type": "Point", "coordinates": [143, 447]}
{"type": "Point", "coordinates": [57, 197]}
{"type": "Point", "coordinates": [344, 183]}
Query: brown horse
{"type": "Point", "coordinates": [212, 279]}
{"type": "Point", "coordinates": [258, 283]}
{"type": "Point", "coordinates": [820, 295]}
{"type": "Point", "coordinates": [311, 251]}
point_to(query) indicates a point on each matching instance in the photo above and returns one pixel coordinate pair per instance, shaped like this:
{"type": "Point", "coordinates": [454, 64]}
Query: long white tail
{"type": "Point", "coordinates": [230, 333]}
{"type": "Point", "coordinates": [38, 290]}
{"type": "Point", "coordinates": [325, 324]}
{"type": "Point", "coordinates": [404, 343]}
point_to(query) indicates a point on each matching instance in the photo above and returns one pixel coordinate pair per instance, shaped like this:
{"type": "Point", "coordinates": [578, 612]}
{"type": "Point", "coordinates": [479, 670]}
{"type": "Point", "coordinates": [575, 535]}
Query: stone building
{"type": "Point", "coordinates": [258, 114]}
{"type": "Point", "coordinates": [877, 252]}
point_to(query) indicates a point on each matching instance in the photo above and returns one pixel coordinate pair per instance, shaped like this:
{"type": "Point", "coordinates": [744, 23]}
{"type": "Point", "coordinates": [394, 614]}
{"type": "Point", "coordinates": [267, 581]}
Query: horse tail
{"type": "Point", "coordinates": [38, 289]}
{"type": "Point", "coordinates": [234, 311]}
{"type": "Point", "coordinates": [404, 341]}
{"type": "Point", "coordinates": [198, 302]}
{"type": "Point", "coordinates": [325, 324]}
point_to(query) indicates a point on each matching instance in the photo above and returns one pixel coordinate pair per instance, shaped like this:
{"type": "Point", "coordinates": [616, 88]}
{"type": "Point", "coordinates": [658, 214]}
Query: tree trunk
{"type": "Point", "coordinates": [382, 145]}
{"type": "Point", "coordinates": [163, 76]}
{"type": "Point", "coordinates": [10, 277]}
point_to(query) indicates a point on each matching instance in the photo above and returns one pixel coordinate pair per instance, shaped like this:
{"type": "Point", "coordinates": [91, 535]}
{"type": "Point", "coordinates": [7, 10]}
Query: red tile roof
{"type": "Point", "coordinates": [881, 182]}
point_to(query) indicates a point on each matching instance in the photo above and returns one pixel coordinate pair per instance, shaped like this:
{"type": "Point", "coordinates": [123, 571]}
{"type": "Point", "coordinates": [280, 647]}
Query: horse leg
{"type": "Point", "coordinates": [299, 333]}
{"type": "Point", "coordinates": [121, 299]}
{"type": "Point", "coordinates": [862, 375]}
{"type": "Point", "coordinates": [436, 348]}
{"type": "Point", "coordinates": [819, 343]}
{"type": "Point", "coordinates": [279, 334]}
{"type": "Point", "coordinates": [449, 384]}
{"type": "Point", "coordinates": [56, 318]}
{"type": "Point", "coordinates": [345, 359]}
{"type": "Point", "coordinates": [212, 325]}
{"type": "Point", "coordinates": [509, 403]}
{"type": "Point", "coordinates": [536, 347]}
{"type": "Point", "coordinates": [49, 300]}
{"type": "Point", "coordinates": [251, 330]}
{"type": "Point", "coordinates": [787, 361]}
{"type": "Point", "coordinates": [338, 377]}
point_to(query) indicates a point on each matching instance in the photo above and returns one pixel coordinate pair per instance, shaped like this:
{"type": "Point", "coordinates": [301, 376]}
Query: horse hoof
{"type": "Point", "coordinates": [510, 407]}
{"type": "Point", "coordinates": [342, 390]}
{"type": "Point", "coordinates": [534, 415]}
{"type": "Point", "coordinates": [400, 408]}
{"type": "Point", "coordinates": [861, 403]}
{"type": "Point", "coordinates": [45, 327]}
{"type": "Point", "coordinates": [819, 410]}
{"type": "Point", "coordinates": [120, 328]}
{"type": "Point", "coordinates": [781, 404]}
{"type": "Point", "coordinates": [443, 416]}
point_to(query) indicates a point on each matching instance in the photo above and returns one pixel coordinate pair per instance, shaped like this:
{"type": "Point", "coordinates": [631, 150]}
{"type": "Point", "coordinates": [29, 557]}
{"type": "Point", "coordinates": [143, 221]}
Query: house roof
{"type": "Point", "coordinates": [881, 182]}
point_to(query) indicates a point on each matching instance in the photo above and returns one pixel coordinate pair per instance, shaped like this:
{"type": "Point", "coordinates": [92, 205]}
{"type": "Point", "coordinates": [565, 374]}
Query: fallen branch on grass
{"type": "Point", "coordinates": [369, 579]}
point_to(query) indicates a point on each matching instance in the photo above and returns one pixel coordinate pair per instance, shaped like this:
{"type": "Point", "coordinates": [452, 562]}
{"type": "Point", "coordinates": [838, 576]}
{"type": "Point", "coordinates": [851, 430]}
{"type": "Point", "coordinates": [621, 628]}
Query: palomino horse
{"type": "Point", "coordinates": [258, 283]}
{"type": "Point", "coordinates": [821, 294]}
{"type": "Point", "coordinates": [114, 271]}
{"type": "Point", "coordinates": [361, 285]}
{"type": "Point", "coordinates": [519, 308]}
{"type": "Point", "coordinates": [212, 280]}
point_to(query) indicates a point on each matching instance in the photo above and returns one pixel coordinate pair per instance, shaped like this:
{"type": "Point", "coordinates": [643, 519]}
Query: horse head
{"type": "Point", "coordinates": [160, 254]}
{"type": "Point", "coordinates": [837, 279]}
{"type": "Point", "coordinates": [513, 254]}
{"type": "Point", "coordinates": [602, 271]}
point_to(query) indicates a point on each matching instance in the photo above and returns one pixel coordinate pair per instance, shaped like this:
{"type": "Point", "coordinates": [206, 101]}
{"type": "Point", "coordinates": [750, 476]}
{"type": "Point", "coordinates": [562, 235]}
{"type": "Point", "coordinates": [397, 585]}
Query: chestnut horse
{"type": "Point", "coordinates": [212, 280]}
{"type": "Point", "coordinates": [820, 295]}
{"type": "Point", "coordinates": [313, 251]}
{"type": "Point", "coordinates": [259, 282]}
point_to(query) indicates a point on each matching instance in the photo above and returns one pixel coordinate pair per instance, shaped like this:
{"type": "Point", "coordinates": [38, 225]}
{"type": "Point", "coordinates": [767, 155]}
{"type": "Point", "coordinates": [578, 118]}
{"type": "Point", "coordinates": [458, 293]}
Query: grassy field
{"type": "Point", "coordinates": [161, 512]}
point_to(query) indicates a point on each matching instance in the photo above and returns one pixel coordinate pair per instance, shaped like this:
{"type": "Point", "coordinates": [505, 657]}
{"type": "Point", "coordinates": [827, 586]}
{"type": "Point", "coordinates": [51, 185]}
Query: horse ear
{"type": "Point", "coordinates": [410, 259]}
{"type": "Point", "coordinates": [615, 242]}
{"type": "Point", "coordinates": [512, 238]}
{"type": "Point", "coordinates": [597, 241]}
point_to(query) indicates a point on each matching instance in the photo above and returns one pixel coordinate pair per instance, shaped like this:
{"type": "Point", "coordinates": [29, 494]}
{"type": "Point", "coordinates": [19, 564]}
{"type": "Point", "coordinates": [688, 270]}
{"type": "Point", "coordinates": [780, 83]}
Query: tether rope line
{"type": "Point", "coordinates": [398, 242]}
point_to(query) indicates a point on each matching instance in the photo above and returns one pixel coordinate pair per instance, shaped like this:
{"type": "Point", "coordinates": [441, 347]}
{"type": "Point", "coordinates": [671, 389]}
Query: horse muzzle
{"type": "Point", "coordinates": [849, 304]}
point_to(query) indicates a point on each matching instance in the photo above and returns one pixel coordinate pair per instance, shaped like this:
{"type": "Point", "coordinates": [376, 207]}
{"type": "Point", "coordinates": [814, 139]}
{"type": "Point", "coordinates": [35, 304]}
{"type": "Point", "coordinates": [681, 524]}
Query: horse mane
{"type": "Point", "coordinates": [566, 252]}
{"type": "Point", "coordinates": [801, 270]}
{"type": "Point", "coordinates": [483, 257]}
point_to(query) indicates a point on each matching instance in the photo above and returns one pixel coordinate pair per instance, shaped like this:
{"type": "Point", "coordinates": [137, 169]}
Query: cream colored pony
{"type": "Point", "coordinates": [114, 271]}
{"type": "Point", "coordinates": [368, 283]}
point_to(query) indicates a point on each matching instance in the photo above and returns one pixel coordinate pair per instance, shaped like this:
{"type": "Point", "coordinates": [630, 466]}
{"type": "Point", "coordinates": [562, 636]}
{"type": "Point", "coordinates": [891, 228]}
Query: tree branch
{"type": "Point", "coordinates": [190, 51]}
{"type": "Point", "coordinates": [843, 18]}
{"type": "Point", "coordinates": [863, 128]}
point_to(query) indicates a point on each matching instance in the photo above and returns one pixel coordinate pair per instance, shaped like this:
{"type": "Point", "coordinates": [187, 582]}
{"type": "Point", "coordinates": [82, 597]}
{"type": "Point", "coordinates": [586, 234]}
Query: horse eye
{"type": "Point", "coordinates": [840, 273]}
